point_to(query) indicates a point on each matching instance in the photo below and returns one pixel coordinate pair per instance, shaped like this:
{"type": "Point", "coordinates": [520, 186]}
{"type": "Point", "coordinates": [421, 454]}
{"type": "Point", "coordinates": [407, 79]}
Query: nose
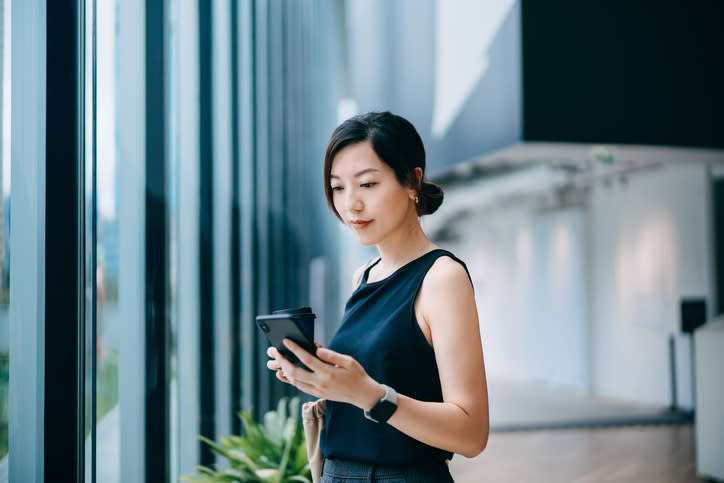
{"type": "Point", "coordinates": [352, 202]}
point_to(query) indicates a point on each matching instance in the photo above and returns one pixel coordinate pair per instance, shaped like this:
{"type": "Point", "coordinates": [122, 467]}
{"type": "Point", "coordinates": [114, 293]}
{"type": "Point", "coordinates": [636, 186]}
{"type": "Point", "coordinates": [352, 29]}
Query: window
{"type": "Point", "coordinates": [4, 232]}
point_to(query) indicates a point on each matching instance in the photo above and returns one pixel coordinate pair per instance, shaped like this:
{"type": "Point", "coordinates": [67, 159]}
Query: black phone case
{"type": "Point", "coordinates": [277, 327]}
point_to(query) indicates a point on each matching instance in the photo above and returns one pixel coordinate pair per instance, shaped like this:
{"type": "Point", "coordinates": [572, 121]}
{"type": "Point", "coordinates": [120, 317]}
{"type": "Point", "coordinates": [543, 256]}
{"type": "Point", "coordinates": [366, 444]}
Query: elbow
{"type": "Point", "coordinates": [474, 450]}
{"type": "Point", "coordinates": [476, 446]}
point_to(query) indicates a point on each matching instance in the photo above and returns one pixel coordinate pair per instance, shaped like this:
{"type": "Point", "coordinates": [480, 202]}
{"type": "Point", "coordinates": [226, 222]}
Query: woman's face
{"type": "Point", "coordinates": [368, 196]}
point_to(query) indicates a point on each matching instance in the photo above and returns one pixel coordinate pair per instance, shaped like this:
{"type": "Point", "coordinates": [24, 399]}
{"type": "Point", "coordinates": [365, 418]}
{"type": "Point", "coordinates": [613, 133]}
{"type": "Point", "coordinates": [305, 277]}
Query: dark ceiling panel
{"type": "Point", "coordinates": [623, 72]}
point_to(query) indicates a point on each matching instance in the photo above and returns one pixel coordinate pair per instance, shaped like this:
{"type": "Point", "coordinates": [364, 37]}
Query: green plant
{"type": "Point", "coordinates": [274, 452]}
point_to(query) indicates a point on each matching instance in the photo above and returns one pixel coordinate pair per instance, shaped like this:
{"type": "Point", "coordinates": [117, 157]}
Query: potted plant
{"type": "Point", "coordinates": [274, 452]}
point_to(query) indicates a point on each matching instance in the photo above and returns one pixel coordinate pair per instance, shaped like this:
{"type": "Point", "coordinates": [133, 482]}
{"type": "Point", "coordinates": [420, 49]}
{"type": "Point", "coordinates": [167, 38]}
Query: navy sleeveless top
{"type": "Point", "coordinates": [379, 329]}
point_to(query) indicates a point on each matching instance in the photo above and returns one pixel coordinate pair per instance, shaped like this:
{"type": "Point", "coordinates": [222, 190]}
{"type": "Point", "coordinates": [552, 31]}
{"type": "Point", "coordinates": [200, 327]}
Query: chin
{"type": "Point", "coordinates": [367, 241]}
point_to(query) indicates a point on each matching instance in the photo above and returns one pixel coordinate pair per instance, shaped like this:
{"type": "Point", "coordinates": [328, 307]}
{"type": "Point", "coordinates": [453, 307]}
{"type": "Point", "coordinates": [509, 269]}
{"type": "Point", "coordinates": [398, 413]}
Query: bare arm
{"type": "Point", "coordinates": [460, 423]}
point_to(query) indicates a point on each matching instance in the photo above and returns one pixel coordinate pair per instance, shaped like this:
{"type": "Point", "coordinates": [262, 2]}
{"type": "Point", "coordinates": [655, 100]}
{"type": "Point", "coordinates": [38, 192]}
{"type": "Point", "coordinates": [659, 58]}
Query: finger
{"type": "Point", "coordinates": [335, 358]}
{"type": "Point", "coordinates": [280, 376]}
{"type": "Point", "coordinates": [308, 359]}
{"type": "Point", "coordinates": [318, 345]}
{"type": "Point", "coordinates": [274, 365]}
{"type": "Point", "coordinates": [296, 374]}
{"type": "Point", "coordinates": [272, 351]}
{"type": "Point", "coordinates": [308, 388]}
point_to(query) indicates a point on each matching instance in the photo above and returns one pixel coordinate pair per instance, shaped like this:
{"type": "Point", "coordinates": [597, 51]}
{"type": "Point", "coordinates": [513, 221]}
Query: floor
{"type": "Point", "coordinates": [578, 438]}
{"type": "Point", "coordinates": [515, 405]}
{"type": "Point", "coordinates": [632, 453]}
{"type": "Point", "coordinates": [661, 454]}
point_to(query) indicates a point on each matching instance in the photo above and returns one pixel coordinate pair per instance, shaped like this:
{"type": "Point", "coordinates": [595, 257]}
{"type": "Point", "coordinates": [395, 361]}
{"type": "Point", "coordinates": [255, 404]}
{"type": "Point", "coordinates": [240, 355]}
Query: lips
{"type": "Point", "coordinates": [359, 224]}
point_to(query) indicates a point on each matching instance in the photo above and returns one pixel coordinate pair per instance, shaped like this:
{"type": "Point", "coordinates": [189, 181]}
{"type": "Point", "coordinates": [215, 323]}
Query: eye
{"type": "Point", "coordinates": [367, 185]}
{"type": "Point", "coordinates": [336, 188]}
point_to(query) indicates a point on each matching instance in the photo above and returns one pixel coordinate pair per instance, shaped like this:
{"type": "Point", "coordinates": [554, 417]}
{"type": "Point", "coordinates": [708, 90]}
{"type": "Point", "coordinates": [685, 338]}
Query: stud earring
{"type": "Point", "coordinates": [417, 200]}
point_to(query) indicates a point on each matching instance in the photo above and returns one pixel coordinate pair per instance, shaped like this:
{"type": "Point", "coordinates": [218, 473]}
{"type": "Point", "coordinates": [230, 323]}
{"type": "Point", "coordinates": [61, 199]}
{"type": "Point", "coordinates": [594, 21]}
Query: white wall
{"type": "Point", "coordinates": [649, 246]}
{"type": "Point", "coordinates": [586, 297]}
{"type": "Point", "coordinates": [528, 270]}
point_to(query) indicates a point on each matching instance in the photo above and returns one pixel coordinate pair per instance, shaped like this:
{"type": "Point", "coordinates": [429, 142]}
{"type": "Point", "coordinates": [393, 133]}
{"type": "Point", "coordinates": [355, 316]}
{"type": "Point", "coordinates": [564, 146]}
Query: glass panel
{"type": "Point", "coordinates": [107, 267]}
{"type": "Point", "coordinates": [173, 236]}
{"type": "Point", "coordinates": [87, 97]}
{"type": "Point", "coordinates": [4, 229]}
{"type": "Point", "coordinates": [184, 237]}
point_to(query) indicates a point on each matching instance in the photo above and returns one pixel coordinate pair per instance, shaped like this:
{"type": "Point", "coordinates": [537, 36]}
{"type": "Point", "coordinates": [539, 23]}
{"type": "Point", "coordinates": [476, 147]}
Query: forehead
{"type": "Point", "coordinates": [356, 157]}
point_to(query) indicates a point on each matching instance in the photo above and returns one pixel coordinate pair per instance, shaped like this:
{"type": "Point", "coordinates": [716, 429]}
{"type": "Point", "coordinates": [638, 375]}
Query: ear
{"type": "Point", "coordinates": [416, 183]}
{"type": "Point", "coordinates": [418, 177]}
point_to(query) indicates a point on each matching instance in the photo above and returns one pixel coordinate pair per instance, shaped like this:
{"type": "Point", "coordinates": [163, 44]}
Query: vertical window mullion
{"type": "Point", "coordinates": [132, 215]}
{"type": "Point", "coordinates": [89, 268]}
{"type": "Point", "coordinates": [63, 428]}
{"type": "Point", "coordinates": [27, 239]}
{"type": "Point", "coordinates": [222, 208]}
{"type": "Point", "coordinates": [188, 253]}
{"type": "Point", "coordinates": [157, 458]}
{"type": "Point", "coordinates": [262, 172]}
{"type": "Point", "coordinates": [246, 137]}
{"type": "Point", "coordinates": [235, 227]}
{"type": "Point", "coordinates": [206, 260]}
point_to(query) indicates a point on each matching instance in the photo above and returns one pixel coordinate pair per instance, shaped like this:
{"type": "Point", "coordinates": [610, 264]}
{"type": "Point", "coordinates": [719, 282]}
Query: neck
{"type": "Point", "coordinates": [407, 244]}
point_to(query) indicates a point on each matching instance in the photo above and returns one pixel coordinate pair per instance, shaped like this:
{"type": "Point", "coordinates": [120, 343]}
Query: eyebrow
{"type": "Point", "coordinates": [357, 174]}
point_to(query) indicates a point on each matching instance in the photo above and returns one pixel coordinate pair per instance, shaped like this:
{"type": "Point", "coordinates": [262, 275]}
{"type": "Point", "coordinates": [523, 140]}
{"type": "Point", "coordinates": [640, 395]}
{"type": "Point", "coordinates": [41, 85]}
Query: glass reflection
{"type": "Point", "coordinates": [88, 244]}
{"type": "Point", "coordinates": [107, 259]}
{"type": "Point", "coordinates": [4, 226]}
{"type": "Point", "coordinates": [173, 205]}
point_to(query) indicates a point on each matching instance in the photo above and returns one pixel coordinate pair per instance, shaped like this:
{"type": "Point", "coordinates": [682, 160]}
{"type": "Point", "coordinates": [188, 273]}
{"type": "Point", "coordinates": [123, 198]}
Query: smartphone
{"type": "Point", "coordinates": [277, 327]}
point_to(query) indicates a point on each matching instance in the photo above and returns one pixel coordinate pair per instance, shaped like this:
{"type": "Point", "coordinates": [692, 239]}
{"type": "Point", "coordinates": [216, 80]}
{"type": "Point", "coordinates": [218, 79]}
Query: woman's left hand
{"type": "Point", "coordinates": [334, 376]}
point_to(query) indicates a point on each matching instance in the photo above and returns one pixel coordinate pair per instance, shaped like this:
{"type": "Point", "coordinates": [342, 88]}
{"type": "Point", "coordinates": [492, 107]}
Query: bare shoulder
{"type": "Point", "coordinates": [446, 287]}
{"type": "Point", "coordinates": [447, 274]}
{"type": "Point", "coordinates": [446, 302]}
{"type": "Point", "coordinates": [357, 275]}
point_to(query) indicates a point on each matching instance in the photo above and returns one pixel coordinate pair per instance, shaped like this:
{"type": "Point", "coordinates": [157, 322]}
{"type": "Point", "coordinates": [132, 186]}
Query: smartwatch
{"type": "Point", "coordinates": [384, 408]}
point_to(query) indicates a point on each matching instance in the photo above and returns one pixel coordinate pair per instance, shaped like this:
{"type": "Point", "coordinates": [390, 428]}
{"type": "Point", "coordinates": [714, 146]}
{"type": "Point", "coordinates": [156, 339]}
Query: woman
{"type": "Point", "coordinates": [403, 377]}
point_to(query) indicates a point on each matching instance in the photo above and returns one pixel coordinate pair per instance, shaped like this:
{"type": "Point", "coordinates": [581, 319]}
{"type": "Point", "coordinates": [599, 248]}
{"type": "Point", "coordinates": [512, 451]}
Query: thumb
{"type": "Point", "coordinates": [334, 357]}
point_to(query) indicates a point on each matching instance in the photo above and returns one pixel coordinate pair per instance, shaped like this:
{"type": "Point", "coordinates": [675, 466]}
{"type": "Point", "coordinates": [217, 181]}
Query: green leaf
{"type": "Point", "coordinates": [194, 479]}
{"type": "Point", "coordinates": [269, 462]}
{"type": "Point", "coordinates": [294, 404]}
{"type": "Point", "coordinates": [236, 455]}
{"type": "Point", "coordinates": [274, 452]}
{"type": "Point", "coordinates": [211, 443]}
{"type": "Point", "coordinates": [285, 457]}
{"type": "Point", "coordinates": [207, 471]}
{"type": "Point", "coordinates": [289, 429]}
{"type": "Point", "coordinates": [269, 475]}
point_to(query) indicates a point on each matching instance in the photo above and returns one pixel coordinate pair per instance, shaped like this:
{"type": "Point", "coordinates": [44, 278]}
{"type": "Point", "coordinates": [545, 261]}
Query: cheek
{"type": "Point", "coordinates": [336, 203]}
{"type": "Point", "coordinates": [392, 203]}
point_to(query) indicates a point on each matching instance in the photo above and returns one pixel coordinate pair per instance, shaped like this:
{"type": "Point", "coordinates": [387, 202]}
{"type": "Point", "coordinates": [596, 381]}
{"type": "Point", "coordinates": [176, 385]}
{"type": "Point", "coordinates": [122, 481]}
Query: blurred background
{"type": "Point", "coordinates": [581, 150]}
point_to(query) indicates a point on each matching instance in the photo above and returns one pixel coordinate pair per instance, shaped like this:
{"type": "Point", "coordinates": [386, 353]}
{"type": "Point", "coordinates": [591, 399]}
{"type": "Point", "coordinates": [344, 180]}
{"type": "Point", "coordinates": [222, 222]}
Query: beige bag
{"type": "Point", "coordinates": [313, 420]}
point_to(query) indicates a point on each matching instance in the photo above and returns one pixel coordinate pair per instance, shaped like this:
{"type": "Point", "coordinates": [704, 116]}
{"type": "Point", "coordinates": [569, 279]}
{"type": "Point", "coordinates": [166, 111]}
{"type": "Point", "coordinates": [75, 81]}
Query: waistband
{"type": "Point", "coordinates": [358, 471]}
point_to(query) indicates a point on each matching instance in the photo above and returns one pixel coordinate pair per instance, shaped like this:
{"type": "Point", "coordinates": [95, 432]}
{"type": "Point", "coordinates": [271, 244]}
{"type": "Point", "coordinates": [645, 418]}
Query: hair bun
{"type": "Point", "coordinates": [431, 196]}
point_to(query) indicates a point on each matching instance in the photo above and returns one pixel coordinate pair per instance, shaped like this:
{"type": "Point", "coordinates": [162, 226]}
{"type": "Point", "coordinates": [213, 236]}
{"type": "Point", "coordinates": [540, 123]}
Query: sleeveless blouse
{"type": "Point", "coordinates": [379, 329]}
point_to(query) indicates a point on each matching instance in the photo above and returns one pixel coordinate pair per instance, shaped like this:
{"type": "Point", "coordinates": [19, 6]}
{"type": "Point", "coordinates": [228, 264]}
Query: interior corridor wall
{"type": "Point", "coordinates": [528, 270]}
{"type": "Point", "coordinates": [586, 297]}
{"type": "Point", "coordinates": [649, 246]}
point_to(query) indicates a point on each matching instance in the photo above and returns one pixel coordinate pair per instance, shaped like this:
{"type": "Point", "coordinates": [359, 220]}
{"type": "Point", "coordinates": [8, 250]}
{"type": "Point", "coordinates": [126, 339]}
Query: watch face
{"type": "Point", "coordinates": [383, 410]}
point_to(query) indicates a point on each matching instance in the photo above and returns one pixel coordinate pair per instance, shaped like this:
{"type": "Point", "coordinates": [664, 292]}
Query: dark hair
{"type": "Point", "coordinates": [397, 143]}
